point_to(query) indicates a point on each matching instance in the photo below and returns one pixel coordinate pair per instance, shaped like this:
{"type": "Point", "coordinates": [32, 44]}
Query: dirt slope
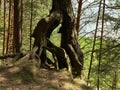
{"type": "Point", "coordinates": [46, 80]}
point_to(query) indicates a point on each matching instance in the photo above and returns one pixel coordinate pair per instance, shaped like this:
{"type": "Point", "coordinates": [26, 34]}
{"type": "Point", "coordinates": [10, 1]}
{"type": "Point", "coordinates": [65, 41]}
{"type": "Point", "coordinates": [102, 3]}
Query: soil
{"type": "Point", "coordinates": [46, 79]}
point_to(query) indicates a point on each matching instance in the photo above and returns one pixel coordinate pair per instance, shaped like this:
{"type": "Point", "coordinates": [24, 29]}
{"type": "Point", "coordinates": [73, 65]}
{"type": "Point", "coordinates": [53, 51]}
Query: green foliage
{"type": "Point", "coordinates": [110, 62]}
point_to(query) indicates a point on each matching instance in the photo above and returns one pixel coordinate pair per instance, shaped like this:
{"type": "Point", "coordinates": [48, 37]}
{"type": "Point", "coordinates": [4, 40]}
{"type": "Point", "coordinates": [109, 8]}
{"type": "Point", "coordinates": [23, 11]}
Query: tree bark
{"type": "Point", "coordinates": [0, 8]}
{"type": "Point", "coordinates": [42, 31]}
{"type": "Point", "coordinates": [9, 33]}
{"type": "Point", "coordinates": [78, 15]}
{"type": "Point", "coordinates": [60, 56]}
{"type": "Point", "coordinates": [4, 35]}
{"type": "Point", "coordinates": [69, 37]}
{"type": "Point", "coordinates": [17, 26]}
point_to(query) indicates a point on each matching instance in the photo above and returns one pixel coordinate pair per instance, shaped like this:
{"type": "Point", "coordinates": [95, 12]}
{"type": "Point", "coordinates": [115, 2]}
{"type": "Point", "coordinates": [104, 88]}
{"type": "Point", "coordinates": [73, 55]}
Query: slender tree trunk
{"type": "Point", "coordinates": [4, 35]}
{"type": "Point", "coordinates": [9, 28]}
{"type": "Point", "coordinates": [17, 26]}
{"type": "Point", "coordinates": [21, 21]}
{"type": "Point", "coordinates": [12, 27]}
{"type": "Point", "coordinates": [78, 15]}
{"type": "Point", "coordinates": [0, 8]}
{"type": "Point", "coordinates": [31, 23]}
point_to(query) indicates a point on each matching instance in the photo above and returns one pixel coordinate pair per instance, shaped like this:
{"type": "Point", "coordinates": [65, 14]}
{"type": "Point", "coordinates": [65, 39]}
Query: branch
{"type": "Point", "coordinates": [112, 7]}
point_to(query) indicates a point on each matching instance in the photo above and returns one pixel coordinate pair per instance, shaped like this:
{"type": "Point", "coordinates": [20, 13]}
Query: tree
{"type": "Point", "coordinates": [4, 38]}
{"type": "Point", "coordinates": [17, 26]}
{"type": "Point", "coordinates": [61, 13]}
{"type": "Point", "coordinates": [0, 8]}
{"type": "Point", "coordinates": [78, 15]}
{"type": "Point", "coordinates": [9, 44]}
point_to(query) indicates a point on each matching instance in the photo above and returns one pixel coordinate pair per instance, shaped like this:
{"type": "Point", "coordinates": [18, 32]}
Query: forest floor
{"type": "Point", "coordinates": [46, 80]}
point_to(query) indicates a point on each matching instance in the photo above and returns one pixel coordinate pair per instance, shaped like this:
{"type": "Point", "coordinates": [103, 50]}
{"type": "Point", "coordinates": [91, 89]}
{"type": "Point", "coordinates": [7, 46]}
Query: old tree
{"type": "Point", "coordinates": [68, 55]}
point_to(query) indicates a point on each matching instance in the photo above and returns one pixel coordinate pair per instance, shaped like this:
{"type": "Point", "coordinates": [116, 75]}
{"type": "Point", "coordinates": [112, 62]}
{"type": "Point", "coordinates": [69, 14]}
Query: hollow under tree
{"type": "Point", "coordinates": [69, 54]}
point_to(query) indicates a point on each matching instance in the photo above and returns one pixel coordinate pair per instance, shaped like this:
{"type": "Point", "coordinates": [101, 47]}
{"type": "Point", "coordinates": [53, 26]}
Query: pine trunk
{"type": "Point", "coordinates": [17, 26]}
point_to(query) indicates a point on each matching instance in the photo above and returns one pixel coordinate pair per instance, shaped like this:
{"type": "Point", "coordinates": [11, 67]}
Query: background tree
{"type": "Point", "coordinates": [9, 43]}
{"type": "Point", "coordinates": [0, 8]}
{"type": "Point", "coordinates": [4, 34]}
{"type": "Point", "coordinates": [17, 26]}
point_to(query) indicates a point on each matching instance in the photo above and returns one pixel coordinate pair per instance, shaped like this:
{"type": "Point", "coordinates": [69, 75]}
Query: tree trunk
{"type": "Point", "coordinates": [78, 15]}
{"type": "Point", "coordinates": [69, 37]}
{"type": "Point", "coordinates": [9, 33]}
{"type": "Point", "coordinates": [17, 26]}
{"type": "Point", "coordinates": [4, 35]}
{"type": "Point", "coordinates": [0, 8]}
